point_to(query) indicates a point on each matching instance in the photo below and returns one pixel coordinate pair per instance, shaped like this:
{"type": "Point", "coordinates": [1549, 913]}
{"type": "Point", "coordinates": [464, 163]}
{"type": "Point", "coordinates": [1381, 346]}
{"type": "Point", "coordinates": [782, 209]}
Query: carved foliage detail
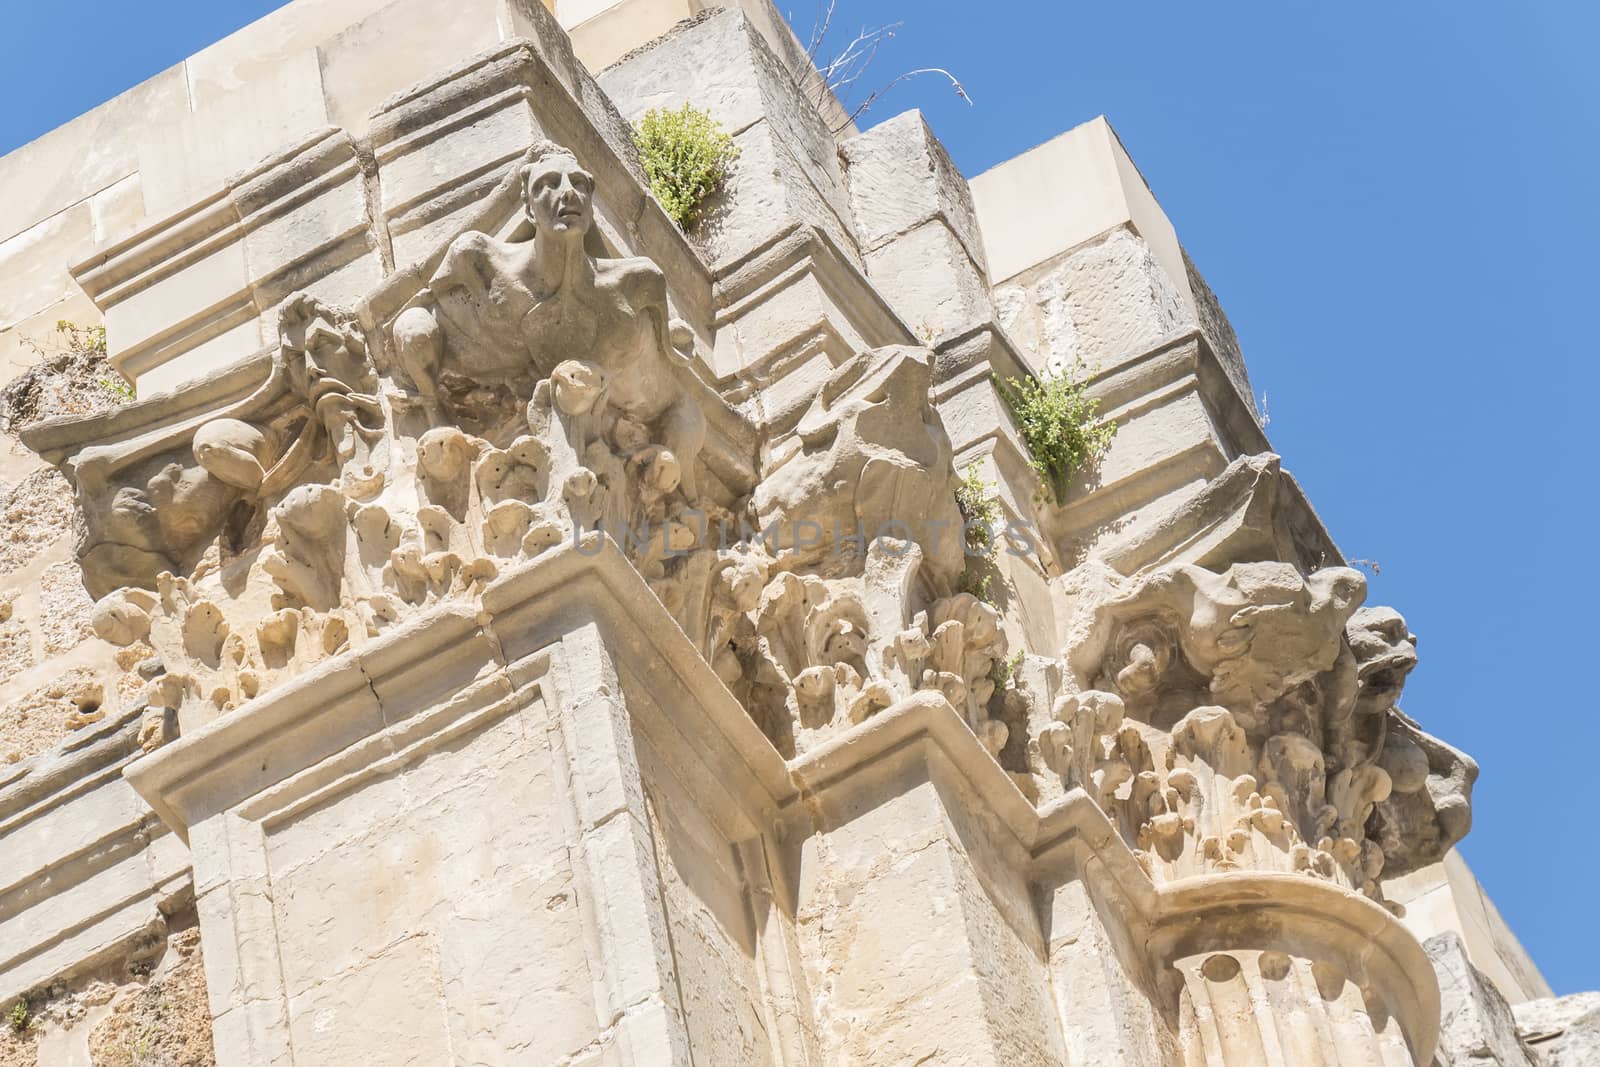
{"type": "Point", "coordinates": [1254, 722]}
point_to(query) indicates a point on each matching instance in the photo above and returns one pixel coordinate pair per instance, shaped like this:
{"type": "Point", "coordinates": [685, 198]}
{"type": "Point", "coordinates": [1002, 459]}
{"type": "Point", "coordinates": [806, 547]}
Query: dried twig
{"type": "Point", "coordinates": [954, 84]}
{"type": "Point", "coordinates": [840, 75]}
{"type": "Point", "coordinates": [819, 29]}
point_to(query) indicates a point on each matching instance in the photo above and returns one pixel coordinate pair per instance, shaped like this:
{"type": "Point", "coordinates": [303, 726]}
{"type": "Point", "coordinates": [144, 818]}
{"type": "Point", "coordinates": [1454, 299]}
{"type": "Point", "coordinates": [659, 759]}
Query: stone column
{"type": "Point", "coordinates": [1284, 971]}
{"type": "Point", "coordinates": [440, 840]}
{"type": "Point", "coordinates": [1234, 747]}
{"type": "Point", "coordinates": [915, 916]}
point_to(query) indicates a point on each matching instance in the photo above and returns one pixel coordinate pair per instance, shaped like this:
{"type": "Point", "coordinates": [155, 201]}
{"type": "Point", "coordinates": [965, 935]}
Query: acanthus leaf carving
{"type": "Point", "coordinates": [1268, 699]}
{"type": "Point", "coordinates": [541, 391]}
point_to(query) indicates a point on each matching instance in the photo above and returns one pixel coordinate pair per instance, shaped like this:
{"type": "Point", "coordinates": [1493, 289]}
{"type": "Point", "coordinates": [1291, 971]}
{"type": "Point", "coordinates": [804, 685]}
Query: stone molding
{"type": "Point", "coordinates": [198, 775]}
{"type": "Point", "coordinates": [115, 870]}
{"type": "Point", "coordinates": [772, 801]}
{"type": "Point", "coordinates": [366, 713]}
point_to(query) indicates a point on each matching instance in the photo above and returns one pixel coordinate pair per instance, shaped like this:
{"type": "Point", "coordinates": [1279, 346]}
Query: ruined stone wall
{"type": "Point", "coordinates": [391, 648]}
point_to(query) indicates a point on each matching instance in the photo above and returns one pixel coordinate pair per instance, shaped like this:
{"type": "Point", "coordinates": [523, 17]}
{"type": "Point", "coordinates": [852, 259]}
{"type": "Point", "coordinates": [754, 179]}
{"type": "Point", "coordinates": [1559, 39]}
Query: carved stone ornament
{"type": "Point", "coordinates": [1249, 719]}
{"type": "Point", "coordinates": [528, 390]}
{"type": "Point", "coordinates": [533, 391]}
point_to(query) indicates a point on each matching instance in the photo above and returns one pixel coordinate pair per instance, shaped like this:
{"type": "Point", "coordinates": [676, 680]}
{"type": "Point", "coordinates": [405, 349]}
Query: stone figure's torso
{"type": "Point", "coordinates": [501, 323]}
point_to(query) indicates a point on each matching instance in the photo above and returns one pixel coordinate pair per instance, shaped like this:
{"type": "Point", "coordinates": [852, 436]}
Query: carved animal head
{"type": "Point", "coordinates": [1386, 652]}
{"type": "Point", "coordinates": [322, 349]}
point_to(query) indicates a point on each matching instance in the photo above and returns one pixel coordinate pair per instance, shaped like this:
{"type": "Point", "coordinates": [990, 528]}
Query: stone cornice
{"type": "Point", "coordinates": [463, 644]}
{"type": "Point", "coordinates": [1071, 837]}
{"type": "Point", "coordinates": [59, 438]}
{"type": "Point", "coordinates": [368, 705]}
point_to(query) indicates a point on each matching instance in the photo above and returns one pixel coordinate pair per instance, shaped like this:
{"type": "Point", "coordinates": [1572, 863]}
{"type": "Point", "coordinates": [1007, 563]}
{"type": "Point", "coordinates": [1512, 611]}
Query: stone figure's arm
{"type": "Point", "coordinates": [462, 266]}
{"type": "Point", "coordinates": [420, 346]}
{"type": "Point", "coordinates": [418, 340]}
{"type": "Point", "coordinates": [646, 289]}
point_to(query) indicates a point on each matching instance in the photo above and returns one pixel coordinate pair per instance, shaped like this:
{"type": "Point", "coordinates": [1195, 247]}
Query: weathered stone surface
{"type": "Point", "coordinates": [16, 638]}
{"type": "Point", "coordinates": [35, 513]}
{"type": "Point", "coordinates": [1218, 331]}
{"type": "Point", "coordinates": [64, 608]}
{"type": "Point", "coordinates": [167, 1021]}
{"type": "Point", "coordinates": [34, 260]}
{"type": "Point", "coordinates": [1560, 1031]}
{"type": "Point", "coordinates": [1033, 230]}
{"type": "Point", "coordinates": [19, 1049]}
{"type": "Point", "coordinates": [1100, 304]}
{"type": "Point", "coordinates": [144, 1006]}
{"type": "Point", "coordinates": [357, 75]}
{"type": "Point", "coordinates": [788, 170]}
{"type": "Point", "coordinates": [536, 635]}
{"type": "Point", "coordinates": [78, 382]}
{"type": "Point", "coordinates": [186, 156]}
{"type": "Point", "coordinates": [900, 177]}
{"type": "Point", "coordinates": [928, 274]}
{"type": "Point", "coordinates": [1478, 1027]}
{"type": "Point", "coordinates": [39, 720]}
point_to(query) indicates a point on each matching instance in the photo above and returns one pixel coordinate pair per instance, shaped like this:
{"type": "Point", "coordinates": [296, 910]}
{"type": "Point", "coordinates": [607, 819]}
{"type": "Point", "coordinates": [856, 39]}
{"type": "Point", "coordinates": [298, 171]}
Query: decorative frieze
{"type": "Point", "coordinates": [571, 642]}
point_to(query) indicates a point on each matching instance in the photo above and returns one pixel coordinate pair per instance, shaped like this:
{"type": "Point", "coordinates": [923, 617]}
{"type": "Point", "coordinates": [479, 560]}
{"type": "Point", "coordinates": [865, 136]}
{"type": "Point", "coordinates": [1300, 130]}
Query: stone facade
{"type": "Point", "coordinates": [507, 630]}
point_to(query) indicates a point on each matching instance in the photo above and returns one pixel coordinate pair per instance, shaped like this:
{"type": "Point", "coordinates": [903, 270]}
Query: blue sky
{"type": "Point", "coordinates": [1398, 206]}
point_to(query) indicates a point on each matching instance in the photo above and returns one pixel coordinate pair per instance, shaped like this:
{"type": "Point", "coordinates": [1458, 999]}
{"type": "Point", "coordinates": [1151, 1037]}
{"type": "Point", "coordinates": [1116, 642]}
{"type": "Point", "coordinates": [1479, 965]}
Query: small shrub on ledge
{"type": "Point", "coordinates": [1057, 419]}
{"type": "Point", "coordinates": [21, 1019]}
{"type": "Point", "coordinates": [686, 155]}
{"type": "Point", "coordinates": [981, 517]}
{"type": "Point", "coordinates": [71, 377]}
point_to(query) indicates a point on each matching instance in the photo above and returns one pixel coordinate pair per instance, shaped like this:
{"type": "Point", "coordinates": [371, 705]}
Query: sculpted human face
{"type": "Point", "coordinates": [560, 196]}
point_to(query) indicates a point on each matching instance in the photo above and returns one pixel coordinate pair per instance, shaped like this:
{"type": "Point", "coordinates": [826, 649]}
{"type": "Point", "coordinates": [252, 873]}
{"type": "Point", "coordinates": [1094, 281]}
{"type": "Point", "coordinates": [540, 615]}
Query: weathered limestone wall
{"type": "Point", "coordinates": [116, 874]}
{"type": "Point", "coordinates": [197, 134]}
{"type": "Point", "coordinates": [902, 893]}
{"type": "Point", "coordinates": [789, 170]}
{"type": "Point", "coordinates": [1445, 898]}
{"type": "Point", "coordinates": [445, 775]}
{"type": "Point", "coordinates": [1097, 275]}
{"type": "Point", "coordinates": [1098, 280]}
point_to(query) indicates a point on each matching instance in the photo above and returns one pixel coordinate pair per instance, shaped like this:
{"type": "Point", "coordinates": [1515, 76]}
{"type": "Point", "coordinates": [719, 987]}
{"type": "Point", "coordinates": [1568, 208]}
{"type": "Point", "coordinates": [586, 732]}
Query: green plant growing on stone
{"type": "Point", "coordinates": [86, 340]}
{"type": "Point", "coordinates": [91, 341]}
{"type": "Point", "coordinates": [1005, 670]}
{"type": "Point", "coordinates": [20, 1018]}
{"type": "Point", "coordinates": [119, 389]}
{"type": "Point", "coordinates": [139, 1049]}
{"type": "Point", "coordinates": [980, 514]}
{"type": "Point", "coordinates": [82, 344]}
{"type": "Point", "coordinates": [686, 156]}
{"type": "Point", "coordinates": [1057, 418]}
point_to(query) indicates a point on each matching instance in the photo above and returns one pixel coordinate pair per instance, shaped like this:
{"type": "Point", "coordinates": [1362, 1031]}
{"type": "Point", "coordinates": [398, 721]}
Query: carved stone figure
{"type": "Point", "coordinates": [1260, 704]}
{"type": "Point", "coordinates": [507, 314]}
{"type": "Point", "coordinates": [156, 502]}
{"type": "Point", "coordinates": [145, 518]}
{"type": "Point", "coordinates": [869, 457]}
{"type": "Point", "coordinates": [819, 655]}
{"type": "Point", "coordinates": [1429, 806]}
{"type": "Point", "coordinates": [1247, 637]}
{"type": "Point", "coordinates": [560, 401]}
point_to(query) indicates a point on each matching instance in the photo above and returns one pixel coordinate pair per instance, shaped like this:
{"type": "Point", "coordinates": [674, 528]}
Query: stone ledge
{"type": "Point", "coordinates": [1071, 837]}
{"type": "Point", "coordinates": [89, 869]}
{"type": "Point", "coordinates": [364, 692]}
